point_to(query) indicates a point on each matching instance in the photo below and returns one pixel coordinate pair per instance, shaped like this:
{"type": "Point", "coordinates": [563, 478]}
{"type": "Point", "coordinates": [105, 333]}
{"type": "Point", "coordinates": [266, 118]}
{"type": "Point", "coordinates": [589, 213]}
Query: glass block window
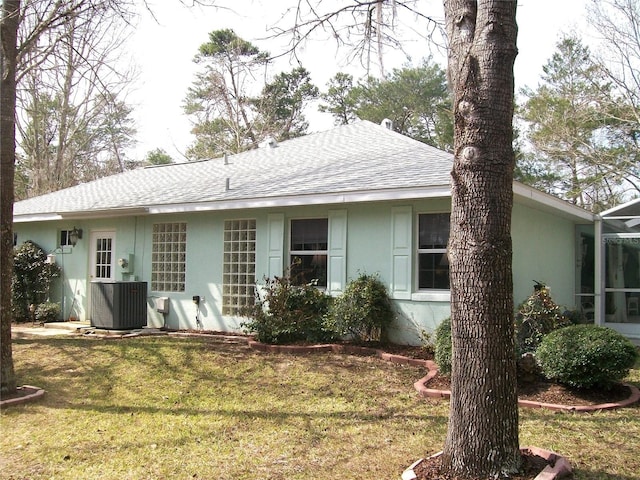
{"type": "Point", "coordinates": [239, 265]}
{"type": "Point", "coordinates": [168, 257]}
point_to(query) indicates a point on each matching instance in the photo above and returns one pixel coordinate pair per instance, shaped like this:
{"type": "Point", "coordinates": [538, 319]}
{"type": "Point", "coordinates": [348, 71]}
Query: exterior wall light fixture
{"type": "Point", "coordinates": [75, 235]}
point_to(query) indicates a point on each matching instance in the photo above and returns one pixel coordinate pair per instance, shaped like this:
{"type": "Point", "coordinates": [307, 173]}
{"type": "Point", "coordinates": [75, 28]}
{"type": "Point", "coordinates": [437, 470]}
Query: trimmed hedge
{"type": "Point", "coordinates": [585, 356]}
{"type": "Point", "coordinates": [444, 348]}
{"type": "Point", "coordinates": [363, 312]}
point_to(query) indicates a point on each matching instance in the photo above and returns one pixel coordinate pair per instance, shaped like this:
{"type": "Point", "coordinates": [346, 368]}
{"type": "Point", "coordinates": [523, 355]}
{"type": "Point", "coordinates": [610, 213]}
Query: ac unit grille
{"type": "Point", "coordinates": [119, 305]}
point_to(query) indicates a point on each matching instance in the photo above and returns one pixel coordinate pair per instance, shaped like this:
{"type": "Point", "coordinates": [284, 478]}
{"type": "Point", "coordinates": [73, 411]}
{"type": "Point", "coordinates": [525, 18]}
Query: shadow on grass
{"type": "Point", "coordinates": [70, 368]}
{"type": "Point", "coordinates": [600, 475]}
{"type": "Point", "coordinates": [81, 374]}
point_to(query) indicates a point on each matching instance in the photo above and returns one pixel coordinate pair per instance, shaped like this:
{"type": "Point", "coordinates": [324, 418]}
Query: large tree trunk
{"type": "Point", "coordinates": [8, 54]}
{"type": "Point", "coordinates": [482, 437]}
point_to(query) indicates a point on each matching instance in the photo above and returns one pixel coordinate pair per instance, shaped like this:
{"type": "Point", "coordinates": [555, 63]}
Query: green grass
{"type": "Point", "coordinates": [176, 408]}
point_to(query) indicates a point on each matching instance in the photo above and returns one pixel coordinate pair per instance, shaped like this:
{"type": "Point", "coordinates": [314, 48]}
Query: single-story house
{"type": "Point", "coordinates": [356, 198]}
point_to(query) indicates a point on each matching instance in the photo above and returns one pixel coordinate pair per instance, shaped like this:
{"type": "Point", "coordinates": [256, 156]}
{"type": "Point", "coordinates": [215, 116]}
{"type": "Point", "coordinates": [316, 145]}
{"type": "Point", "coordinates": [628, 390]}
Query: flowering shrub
{"type": "Point", "coordinates": [537, 316]}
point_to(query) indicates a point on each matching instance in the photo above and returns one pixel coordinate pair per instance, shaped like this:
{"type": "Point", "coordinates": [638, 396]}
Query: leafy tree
{"type": "Point", "coordinates": [340, 99]}
{"type": "Point", "coordinates": [416, 100]}
{"type": "Point", "coordinates": [219, 98]}
{"type": "Point", "coordinates": [158, 157]}
{"type": "Point", "coordinates": [573, 132]}
{"type": "Point", "coordinates": [227, 117]}
{"type": "Point", "coordinates": [280, 107]}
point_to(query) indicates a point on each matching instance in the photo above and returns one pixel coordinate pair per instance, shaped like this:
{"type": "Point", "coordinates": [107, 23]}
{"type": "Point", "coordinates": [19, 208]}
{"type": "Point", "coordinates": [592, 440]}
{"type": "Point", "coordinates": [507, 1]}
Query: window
{"type": "Point", "coordinates": [308, 251]}
{"type": "Point", "coordinates": [168, 257]}
{"type": "Point", "coordinates": [64, 238]}
{"type": "Point", "coordinates": [103, 256]}
{"type": "Point", "coordinates": [433, 264]}
{"type": "Point", "coordinates": [239, 265]}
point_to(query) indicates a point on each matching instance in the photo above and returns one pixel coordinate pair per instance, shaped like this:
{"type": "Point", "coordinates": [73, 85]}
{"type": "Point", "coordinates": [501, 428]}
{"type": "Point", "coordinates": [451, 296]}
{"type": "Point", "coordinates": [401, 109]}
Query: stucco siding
{"type": "Point", "coordinates": [543, 250]}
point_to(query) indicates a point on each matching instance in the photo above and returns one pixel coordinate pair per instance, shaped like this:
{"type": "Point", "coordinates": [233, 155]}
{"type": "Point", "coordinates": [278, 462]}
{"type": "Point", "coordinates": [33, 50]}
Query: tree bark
{"type": "Point", "coordinates": [482, 436]}
{"type": "Point", "coordinates": [8, 57]}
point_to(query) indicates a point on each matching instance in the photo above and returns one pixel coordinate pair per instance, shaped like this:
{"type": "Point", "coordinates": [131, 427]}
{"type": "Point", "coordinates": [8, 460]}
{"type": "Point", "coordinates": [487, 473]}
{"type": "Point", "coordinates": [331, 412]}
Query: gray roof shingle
{"type": "Point", "coordinates": [357, 158]}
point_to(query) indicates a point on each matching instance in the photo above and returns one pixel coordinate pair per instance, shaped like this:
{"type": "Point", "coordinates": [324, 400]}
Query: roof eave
{"type": "Point", "coordinates": [545, 200]}
{"type": "Point", "coordinates": [301, 200]}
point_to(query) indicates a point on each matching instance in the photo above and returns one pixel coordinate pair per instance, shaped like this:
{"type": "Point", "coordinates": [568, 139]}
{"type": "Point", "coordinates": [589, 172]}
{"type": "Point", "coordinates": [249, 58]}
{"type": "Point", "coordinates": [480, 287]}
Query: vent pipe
{"type": "Point", "coordinates": [386, 123]}
{"type": "Point", "coordinates": [226, 185]}
{"type": "Point", "coordinates": [226, 158]}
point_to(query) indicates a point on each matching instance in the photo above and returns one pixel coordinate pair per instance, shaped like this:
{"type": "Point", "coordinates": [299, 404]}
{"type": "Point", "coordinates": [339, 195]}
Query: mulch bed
{"type": "Point", "coordinates": [544, 391]}
{"type": "Point", "coordinates": [431, 468]}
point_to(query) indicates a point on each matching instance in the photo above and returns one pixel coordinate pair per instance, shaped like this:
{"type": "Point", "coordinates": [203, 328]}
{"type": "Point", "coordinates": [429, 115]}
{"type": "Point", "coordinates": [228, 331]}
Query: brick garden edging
{"type": "Point", "coordinates": [35, 393]}
{"type": "Point", "coordinates": [341, 348]}
{"type": "Point", "coordinates": [426, 392]}
{"type": "Point", "coordinates": [420, 385]}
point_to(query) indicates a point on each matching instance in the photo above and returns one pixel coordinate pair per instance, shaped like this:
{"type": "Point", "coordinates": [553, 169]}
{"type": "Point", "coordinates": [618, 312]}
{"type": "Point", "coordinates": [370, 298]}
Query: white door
{"type": "Point", "coordinates": [103, 245]}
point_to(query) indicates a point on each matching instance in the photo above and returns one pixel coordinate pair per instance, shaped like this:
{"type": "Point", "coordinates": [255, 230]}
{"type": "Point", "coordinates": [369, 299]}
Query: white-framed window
{"type": "Point", "coordinates": [65, 238]}
{"type": "Point", "coordinates": [308, 250]}
{"type": "Point", "coordinates": [239, 265]}
{"type": "Point", "coordinates": [433, 263]}
{"type": "Point", "coordinates": [168, 257]}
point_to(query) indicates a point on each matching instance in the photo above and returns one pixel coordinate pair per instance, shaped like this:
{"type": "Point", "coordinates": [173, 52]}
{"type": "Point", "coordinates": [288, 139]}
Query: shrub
{"type": "Point", "coordinates": [537, 316]}
{"type": "Point", "coordinates": [363, 312]}
{"type": "Point", "coordinates": [48, 312]}
{"type": "Point", "coordinates": [32, 277]}
{"type": "Point", "coordinates": [583, 356]}
{"type": "Point", "coordinates": [288, 313]}
{"type": "Point", "coordinates": [444, 349]}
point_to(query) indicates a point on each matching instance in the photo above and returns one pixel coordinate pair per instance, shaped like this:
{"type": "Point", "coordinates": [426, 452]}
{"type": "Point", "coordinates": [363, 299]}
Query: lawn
{"type": "Point", "coordinates": [179, 408]}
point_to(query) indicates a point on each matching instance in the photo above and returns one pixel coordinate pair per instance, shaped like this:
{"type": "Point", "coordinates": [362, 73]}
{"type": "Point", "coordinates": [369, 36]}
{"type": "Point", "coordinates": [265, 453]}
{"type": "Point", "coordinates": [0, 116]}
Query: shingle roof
{"type": "Point", "coordinates": [357, 158]}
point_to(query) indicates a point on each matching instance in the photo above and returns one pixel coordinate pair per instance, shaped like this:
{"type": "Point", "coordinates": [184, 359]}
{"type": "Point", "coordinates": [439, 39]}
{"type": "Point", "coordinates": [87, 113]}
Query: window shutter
{"type": "Point", "coordinates": [401, 248]}
{"type": "Point", "coordinates": [337, 262]}
{"type": "Point", "coordinates": [275, 247]}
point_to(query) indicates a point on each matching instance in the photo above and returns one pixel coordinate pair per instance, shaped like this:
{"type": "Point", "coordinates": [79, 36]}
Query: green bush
{"type": "Point", "coordinates": [537, 316]}
{"type": "Point", "coordinates": [287, 312]}
{"type": "Point", "coordinates": [363, 312]}
{"type": "Point", "coordinates": [48, 312]}
{"type": "Point", "coordinates": [584, 356]}
{"type": "Point", "coordinates": [32, 277]}
{"type": "Point", "coordinates": [443, 348]}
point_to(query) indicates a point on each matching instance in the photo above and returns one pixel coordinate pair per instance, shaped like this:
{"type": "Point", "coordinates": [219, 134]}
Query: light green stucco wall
{"type": "Point", "coordinates": [543, 250]}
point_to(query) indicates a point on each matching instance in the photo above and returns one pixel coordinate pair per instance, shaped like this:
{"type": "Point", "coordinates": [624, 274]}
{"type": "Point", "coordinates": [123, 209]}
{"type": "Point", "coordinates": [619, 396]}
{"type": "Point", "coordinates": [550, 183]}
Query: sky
{"type": "Point", "coordinates": [163, 48]}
